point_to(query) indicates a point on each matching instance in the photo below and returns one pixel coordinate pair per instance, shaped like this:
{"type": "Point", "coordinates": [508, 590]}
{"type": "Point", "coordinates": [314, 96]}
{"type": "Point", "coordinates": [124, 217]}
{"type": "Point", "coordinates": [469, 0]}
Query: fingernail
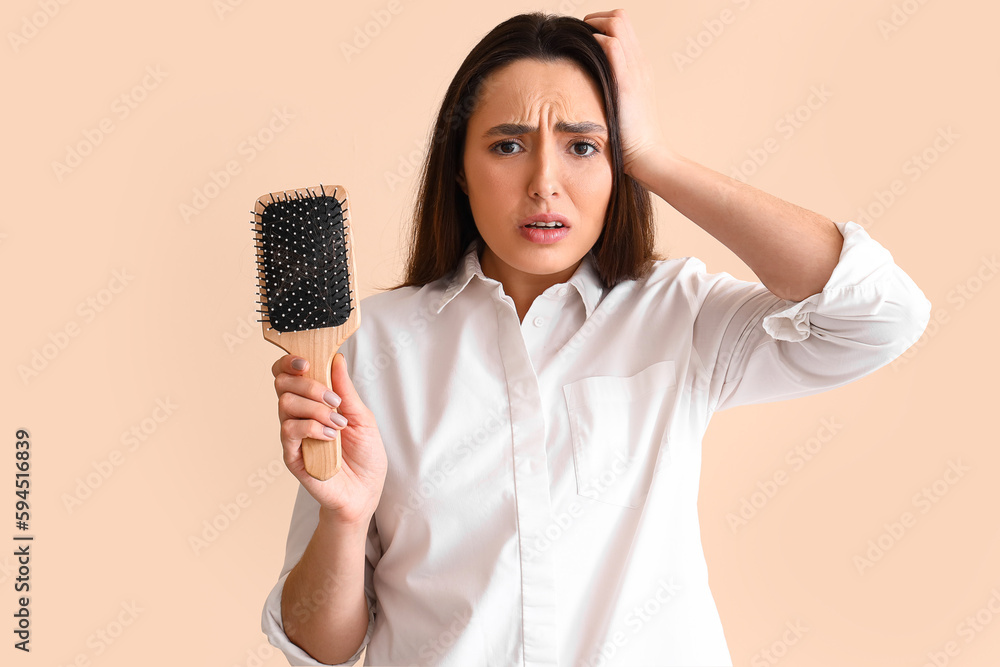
{"type": "Point", "coordinates": [331, 399]}
{"type": "Point", "coordinates": [299, 364]}
{"type": "Point", "coordinates": [329, 432]}
{"type": "Point", "coordinates": [338, 419]}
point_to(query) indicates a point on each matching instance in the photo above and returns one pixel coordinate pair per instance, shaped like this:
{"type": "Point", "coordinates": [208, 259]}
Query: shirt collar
{"type": "Point", "coordinates": [585, 279]}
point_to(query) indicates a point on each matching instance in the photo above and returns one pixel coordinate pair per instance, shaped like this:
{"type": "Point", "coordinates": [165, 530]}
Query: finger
{"type": "Point", "coordinates": [604, 25]}
{"type": "Point", "coordinates": [293, 406]}
{"type": "Point", "coordinates": [615, 52]}
{"type": "Point", "coordinates": [294, 431]}
{"type": "Point", "coordinates": [615, 23]}
{"type": "Point", "coordinates": [618, 40]}
{"type": "Point", "coordinates": [605, 13]}
{"type": "Point", "coordinates": [352, 407]}
{"type": "Point", "coordinates": [291, 364]}
{"type": "Point", "coordinates": [616, 20]}
{"type": "Point", "coordinates": [307, 388]}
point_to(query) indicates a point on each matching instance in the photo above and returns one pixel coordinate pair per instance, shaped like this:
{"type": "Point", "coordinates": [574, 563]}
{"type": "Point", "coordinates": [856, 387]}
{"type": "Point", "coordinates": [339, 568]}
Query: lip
{"type": "Point", "coordinates": [545, 217]}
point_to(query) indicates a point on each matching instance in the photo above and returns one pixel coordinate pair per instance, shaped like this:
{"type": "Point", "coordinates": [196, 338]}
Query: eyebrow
{"type": "Point", "coordinates": [515, 129]}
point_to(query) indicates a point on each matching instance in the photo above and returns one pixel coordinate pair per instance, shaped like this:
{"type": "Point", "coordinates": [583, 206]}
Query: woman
{"type": "Point", "coordinates": [541, 381]}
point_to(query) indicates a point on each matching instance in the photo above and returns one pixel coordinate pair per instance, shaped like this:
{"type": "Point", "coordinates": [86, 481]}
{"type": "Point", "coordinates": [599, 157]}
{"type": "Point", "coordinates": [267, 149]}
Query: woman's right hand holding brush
{"type": "Point", "coordinates": [305, 410]}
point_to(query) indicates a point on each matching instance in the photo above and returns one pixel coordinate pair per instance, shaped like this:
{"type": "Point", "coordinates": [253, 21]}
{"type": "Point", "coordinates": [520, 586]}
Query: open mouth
{"type": "Point", "coordinates": [544, 232]}
{"type": "Point", "coordinates": [545, 225]}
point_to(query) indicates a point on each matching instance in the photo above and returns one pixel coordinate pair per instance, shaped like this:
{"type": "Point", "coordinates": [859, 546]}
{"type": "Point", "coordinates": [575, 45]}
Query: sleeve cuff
{"type": "Point", "coordinates": [270, 623]}
{"type": "Point", "coordinates": [862, 264]}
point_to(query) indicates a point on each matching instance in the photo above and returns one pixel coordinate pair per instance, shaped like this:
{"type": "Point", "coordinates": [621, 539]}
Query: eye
{"type": "Point", "coordinates": [497, 147]}
{"type": "Point", "coordinates": [583, 142]}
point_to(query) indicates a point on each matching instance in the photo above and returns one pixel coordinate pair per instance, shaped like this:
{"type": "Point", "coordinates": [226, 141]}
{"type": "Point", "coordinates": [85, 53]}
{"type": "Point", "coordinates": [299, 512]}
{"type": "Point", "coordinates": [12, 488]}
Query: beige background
{"type": "Point", "coordinates": [172, 326]}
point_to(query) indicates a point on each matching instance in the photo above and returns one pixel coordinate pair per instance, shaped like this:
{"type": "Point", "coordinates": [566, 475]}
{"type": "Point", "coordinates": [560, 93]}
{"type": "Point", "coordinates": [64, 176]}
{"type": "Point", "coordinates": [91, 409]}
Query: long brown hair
{"type": "Point", "coordinates": [443, 225]}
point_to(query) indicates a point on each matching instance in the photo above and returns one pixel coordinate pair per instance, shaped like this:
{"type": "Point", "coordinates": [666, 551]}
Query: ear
{"type": "Point", "coordinates": [461, 181]}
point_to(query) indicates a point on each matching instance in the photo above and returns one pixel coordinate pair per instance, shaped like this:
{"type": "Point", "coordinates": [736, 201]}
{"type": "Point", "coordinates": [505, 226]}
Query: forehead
{"type": "Point", "coordinates": [526, 88]}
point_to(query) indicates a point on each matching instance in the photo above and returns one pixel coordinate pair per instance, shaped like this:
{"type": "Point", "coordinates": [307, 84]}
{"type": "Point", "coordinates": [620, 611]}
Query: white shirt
{"type": "Point", "coordinates": [540, 505]}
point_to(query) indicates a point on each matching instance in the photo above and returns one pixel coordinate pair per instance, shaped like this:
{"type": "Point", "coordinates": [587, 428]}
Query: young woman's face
{"type": "Point", "coordinates": [537, 142]}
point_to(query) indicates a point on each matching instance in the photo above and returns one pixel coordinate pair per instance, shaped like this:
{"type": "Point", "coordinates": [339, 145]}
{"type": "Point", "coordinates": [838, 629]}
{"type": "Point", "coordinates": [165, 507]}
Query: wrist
{"type": "Point", "coordinates": [644, 164]}
{"type": "Point", "coordinates": [334, 520]}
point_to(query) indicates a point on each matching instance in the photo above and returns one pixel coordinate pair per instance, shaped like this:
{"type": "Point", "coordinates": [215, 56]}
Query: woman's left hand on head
{"type": "Point", "coordinates": [637, 114]}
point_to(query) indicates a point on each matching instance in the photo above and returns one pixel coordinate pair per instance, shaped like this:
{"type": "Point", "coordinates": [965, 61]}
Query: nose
{"type": "Point", "coordinates": [544, 181]}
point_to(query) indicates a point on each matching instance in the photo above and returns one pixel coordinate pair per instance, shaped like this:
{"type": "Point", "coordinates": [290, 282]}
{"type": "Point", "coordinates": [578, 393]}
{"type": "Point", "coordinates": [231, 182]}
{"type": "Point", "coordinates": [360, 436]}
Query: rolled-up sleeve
{"type": "Point", "coordinates": [765, 348]}
{"type": "Point", "coordinates": [305, 518]}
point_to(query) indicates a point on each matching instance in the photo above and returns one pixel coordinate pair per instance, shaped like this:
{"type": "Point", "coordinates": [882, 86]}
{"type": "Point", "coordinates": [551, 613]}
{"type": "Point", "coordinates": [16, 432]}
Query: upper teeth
{"type": "Point", "coordinates": [544, 224]}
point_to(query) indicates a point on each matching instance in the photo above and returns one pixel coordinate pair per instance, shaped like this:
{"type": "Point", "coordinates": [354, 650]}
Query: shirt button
{"type": "Point", "coordinates": [538, 321]}
{"type": "Point", "coordinates": [562, 291]}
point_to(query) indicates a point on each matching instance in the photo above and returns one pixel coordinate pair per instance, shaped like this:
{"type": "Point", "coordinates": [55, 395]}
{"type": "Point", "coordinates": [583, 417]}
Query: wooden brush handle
{"type": "Point", "coordinates": [322, 457]}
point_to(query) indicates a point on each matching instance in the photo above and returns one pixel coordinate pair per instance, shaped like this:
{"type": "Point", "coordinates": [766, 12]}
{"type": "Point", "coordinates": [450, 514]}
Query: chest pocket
{"type": "Point", "coordinates": [618, 425]}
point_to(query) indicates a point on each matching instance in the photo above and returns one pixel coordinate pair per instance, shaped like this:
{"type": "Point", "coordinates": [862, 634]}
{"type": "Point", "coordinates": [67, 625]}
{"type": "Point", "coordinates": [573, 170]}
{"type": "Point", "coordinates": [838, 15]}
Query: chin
{"type": "Point", "coordinates": [554, 261]}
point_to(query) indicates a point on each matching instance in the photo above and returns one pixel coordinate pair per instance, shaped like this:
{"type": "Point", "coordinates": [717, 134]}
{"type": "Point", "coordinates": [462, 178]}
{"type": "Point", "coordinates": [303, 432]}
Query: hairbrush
{"type": "Point", "coordinates": [306, 281]}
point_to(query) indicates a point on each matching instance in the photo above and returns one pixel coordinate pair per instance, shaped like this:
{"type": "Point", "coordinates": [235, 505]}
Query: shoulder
{"type": "Point", "coordinates": [395, 312]}
{"type": "Point", "coordinates": [683, 283]}
{"type": "Point", "coordinates": [392, 305]}
{"type": "Point", "coordinates": [687, 273]}
{"type": "Point", "coordinates": [391, 321]}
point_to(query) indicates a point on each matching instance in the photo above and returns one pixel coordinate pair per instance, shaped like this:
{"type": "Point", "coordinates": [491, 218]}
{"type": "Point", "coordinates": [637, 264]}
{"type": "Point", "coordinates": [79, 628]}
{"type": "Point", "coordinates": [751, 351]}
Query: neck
{"type": "Point", "coordinates": [522, 287]}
